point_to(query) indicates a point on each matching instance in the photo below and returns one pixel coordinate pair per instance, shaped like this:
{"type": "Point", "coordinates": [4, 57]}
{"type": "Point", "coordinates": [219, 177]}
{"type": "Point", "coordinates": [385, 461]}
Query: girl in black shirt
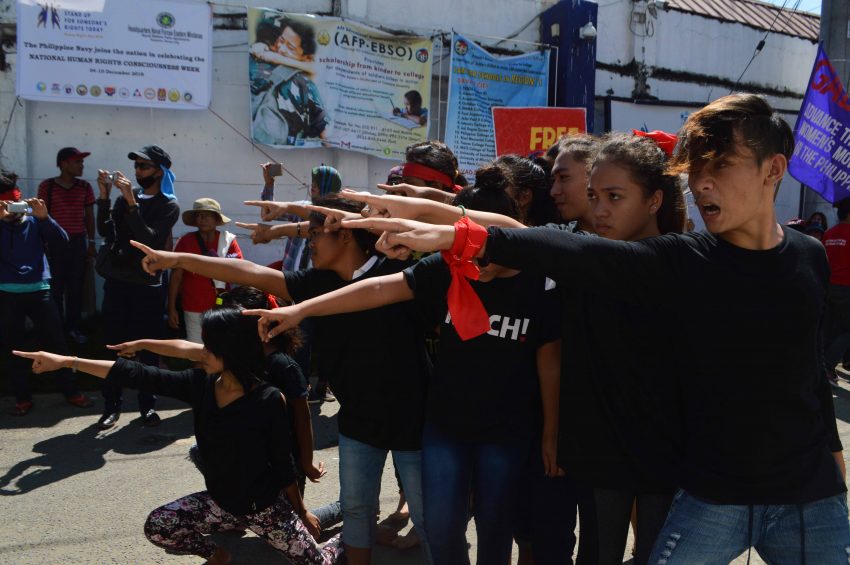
{"type": "Point", "coordinates": [242, 430]}
{"type": "Point", "coordinates": [482, 398]}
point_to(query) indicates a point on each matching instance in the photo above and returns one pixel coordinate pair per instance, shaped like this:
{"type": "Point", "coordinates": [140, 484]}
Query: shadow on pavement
{"type": "Point", "coordinates": [842, 404]}
{"type": "Point", "coordinates": [67, 455]}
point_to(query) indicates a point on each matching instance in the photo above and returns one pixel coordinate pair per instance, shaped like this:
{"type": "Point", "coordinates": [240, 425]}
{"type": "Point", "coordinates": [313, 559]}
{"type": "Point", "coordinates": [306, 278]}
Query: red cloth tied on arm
{"type": "Point", "coordinates": [469, 317]}
{"type": "Point", "coordinates": [427, 174]}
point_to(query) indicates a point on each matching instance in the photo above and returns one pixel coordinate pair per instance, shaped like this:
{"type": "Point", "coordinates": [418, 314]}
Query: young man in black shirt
{"type": "Point", "coordinates": [763, 465]}
{"type": "Point", "coordinates": [134, 301]}
{"type": "Point", "coordinates": [376, 363]}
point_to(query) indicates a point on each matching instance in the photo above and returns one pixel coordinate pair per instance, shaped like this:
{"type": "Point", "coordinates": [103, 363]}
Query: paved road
{"type": "Point", "coordinates": [71, 494]}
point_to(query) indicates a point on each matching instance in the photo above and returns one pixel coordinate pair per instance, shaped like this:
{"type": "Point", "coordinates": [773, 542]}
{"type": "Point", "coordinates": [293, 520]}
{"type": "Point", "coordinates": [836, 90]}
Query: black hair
{"type": "Point", "coordinates": [233, 338]}
{"type": "Point", "coordinates": [526, 175]}
{"type": "Point", "coordinates": [580, 147]}
{"type": "Point", "coordinates": [267, 32]}
{"type": "Point", "coordinates": [843, 208]}
{"type": "Point", "coordinates": [647, 166]}
{"type": "Point", "coordinates": [438, 156]}
{"type": "Point", "coordinates": [823, 223]}
{"type": "Point", "coordinates": [251, 298]}
{"type": "Point", "coordinates": [414, 98]}
{"type": "Point", "coordinates": [304, 31]}
{"type": "Point", "coordinates": [365, 240]}
{"type": "Point", "coordinates": [490, 192]}
{"type": "Point", "coordinates": [8, 180]}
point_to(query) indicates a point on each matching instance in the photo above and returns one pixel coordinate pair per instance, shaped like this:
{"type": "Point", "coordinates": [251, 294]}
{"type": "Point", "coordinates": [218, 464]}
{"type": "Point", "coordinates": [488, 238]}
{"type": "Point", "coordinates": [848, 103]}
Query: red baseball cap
{"type": "Point", "coordinates": [70, 153]}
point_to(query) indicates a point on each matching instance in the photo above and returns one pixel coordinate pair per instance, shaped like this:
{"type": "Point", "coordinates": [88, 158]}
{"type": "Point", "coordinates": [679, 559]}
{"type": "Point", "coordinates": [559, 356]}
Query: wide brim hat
{"type": "Point", "coordinates": [204, 205]}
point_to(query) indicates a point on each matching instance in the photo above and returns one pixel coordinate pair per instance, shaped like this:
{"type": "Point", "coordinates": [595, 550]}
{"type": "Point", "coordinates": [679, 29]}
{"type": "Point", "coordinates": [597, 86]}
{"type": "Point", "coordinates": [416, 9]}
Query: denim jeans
{"type": "Point", "coordinates": [489, 474]}
{"type": "Point", "coordinates": [131, 311]}
{"type": "Point", "coordinates": [39, 307]}
{"type": "Point", "coordinates": [700, 533]}
{"type": "Point", "coordinates": [67, 267]}
{"type": "Point", "coordinates": [360, 468]}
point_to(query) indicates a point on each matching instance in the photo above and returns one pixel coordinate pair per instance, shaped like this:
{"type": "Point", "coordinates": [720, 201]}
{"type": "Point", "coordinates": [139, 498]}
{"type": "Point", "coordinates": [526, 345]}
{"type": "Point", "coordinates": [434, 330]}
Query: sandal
{"type": "Point", "coordinates": [21, 408]}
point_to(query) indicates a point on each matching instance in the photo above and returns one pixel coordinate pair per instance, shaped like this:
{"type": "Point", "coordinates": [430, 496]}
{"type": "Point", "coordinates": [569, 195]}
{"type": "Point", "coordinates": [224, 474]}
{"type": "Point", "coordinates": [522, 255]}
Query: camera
{"type": "Point", "coordinates": [18, 208]}
{"type": "Point", "coordinates": [113, 177]}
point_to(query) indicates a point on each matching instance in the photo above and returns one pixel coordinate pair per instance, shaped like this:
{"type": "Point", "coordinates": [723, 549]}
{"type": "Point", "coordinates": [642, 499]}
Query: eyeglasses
{"type": "Point", "coordinates": [143, 166]}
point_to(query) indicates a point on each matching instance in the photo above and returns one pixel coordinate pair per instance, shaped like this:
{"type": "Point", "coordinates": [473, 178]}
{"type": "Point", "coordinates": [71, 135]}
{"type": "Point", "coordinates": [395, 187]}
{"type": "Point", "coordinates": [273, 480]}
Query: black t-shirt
{"type": "Point", "coordinates": [486, 389]}
{"type": "Point", "coordinates": [375, 361]}
{"type": "Point", "coordinates": [757, 414]}
{"type": "Point", "coordinates": [284, 373]}
{"type": "Point", "coordinates": [244, 445]}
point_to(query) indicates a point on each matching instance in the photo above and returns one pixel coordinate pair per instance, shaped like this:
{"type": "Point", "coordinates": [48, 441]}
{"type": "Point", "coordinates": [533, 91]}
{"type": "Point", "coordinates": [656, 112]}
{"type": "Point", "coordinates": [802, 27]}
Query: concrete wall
{"type": "Point", "coordinates": [689, 43]}
{"type": "Point", "coordinates": [210, 158]}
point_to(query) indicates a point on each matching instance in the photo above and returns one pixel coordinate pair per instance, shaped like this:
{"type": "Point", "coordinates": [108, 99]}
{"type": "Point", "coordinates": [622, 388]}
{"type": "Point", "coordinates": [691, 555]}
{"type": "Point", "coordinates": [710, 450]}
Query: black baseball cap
{"type": "Point", "coordinates": [153, 153]}
{"type": "Point", "coordinates": [70, 153]}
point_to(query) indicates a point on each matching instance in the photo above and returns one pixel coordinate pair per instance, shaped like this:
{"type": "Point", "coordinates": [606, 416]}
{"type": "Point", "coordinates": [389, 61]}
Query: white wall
{"type": "Point", "coordinates": [210, 158]}
{"type": "Point", "coordinates": [691, 43]}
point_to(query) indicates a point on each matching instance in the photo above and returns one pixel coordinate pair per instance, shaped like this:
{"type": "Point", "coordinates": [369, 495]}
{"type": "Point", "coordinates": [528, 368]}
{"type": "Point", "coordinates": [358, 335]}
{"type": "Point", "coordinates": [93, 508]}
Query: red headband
{"type": "Point", "coordinates": [666, 141]}
{"type": "Point", "coordinates": [11, 194]}
{"type": "Point", "coordinates": [426, 173]}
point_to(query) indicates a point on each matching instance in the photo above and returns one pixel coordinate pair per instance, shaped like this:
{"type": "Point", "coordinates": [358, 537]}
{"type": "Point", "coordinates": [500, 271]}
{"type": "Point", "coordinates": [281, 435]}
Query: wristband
{"type": "Point", "coordinates": [469, 317]}
{"type": "Point", "coordinates": [462, 210]}
{"type": "Point", "coordinates": [74, 364]}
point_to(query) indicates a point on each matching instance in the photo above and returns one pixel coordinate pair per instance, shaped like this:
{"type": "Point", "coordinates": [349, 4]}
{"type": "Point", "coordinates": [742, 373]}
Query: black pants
{"type": "Point", "coordinates": [613, 513]}
{"type": "Point", "coordinates": [67, 268]}
{"type": "Point", "coordinates": [131, 311]}
{"type": "Point", "coordinates": [39, 307]}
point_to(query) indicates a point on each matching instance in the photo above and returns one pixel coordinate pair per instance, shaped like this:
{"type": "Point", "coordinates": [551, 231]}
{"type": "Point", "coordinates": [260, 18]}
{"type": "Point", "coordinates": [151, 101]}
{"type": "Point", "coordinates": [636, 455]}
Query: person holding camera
{"type": "Point", "coordinates": [25, 230]}
{"type": "Point", "coordinates": [134, 301]}
{"type": "Point", "coordinates": [70, 201]}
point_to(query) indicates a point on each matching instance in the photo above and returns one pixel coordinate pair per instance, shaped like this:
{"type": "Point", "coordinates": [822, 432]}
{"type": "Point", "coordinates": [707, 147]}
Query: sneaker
{"type": "Point", "coordinates": [21, 408]}
{"type": "Point", "coordinates": [80, 401]}
{"type": "Point", "coordinates": [151, 419]}
{"type": "Point", "coordinates": [77, 337]}
{"type": "Point", "coordinates": [108, 420]}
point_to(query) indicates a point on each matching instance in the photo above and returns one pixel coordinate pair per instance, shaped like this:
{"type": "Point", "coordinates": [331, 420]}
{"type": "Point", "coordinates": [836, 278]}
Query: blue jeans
{"type": "Point", "coordinates": [490, 473]}
{"type": "Point", "coordinates": [701, 533]}
{"type": "Point", "coordinates": [360, 468]}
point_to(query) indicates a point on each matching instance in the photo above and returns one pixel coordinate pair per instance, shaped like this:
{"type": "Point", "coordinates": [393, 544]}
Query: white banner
{"type": "Point", "coordinates": [156, 53]}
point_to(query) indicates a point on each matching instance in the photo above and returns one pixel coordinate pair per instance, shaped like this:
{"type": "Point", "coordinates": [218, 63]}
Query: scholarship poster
{"type": "Point", "coordinates": [480, 81]}
{"type": "Point", "coordinates": [821, 158]}
{"type": "Point", "coordinates": [156, 53]}
{"type": "Point", "coordinates": [523, 131]}
{"type": "Point", "coordinates": [321, 81]}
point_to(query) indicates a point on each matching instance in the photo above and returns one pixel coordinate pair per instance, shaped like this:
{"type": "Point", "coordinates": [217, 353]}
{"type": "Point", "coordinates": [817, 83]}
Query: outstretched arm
{"type": "Point", "coordinates": [234, 271]}
{"type": "Point", "coordinates": [423, 210]}
{"type": "Point", "coordinates": [363, 295]}
{"type": "Point", "coordinates": [44, 362]}
{"type": "Point", "coordinates": [177, 348]}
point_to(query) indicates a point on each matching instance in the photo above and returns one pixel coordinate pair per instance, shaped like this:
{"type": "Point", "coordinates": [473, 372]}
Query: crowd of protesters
{"type": "Point", "coordinates": [594, 358]}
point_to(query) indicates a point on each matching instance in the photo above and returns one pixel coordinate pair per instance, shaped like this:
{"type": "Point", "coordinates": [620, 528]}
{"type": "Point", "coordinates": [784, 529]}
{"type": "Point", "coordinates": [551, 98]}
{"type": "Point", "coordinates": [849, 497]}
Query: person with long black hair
{"type": "Point", "coordinates": [243, 435]}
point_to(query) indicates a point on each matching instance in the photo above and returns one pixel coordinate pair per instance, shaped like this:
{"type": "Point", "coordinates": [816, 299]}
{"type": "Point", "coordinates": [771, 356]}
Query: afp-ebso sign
{"type": "Point", "coordinates": [534, 130]}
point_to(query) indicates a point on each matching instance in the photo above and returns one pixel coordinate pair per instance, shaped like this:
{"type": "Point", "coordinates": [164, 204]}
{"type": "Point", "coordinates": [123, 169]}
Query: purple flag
{"type": "Point", "coordinates": [821, 158]}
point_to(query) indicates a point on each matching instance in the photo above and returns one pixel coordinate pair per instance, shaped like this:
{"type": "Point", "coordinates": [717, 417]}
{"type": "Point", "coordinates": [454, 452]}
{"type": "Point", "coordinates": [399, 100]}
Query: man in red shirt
{"type": "Point", "coordinates": [69, 201]}
{"type": "Point", "coordinates": [836, 240]}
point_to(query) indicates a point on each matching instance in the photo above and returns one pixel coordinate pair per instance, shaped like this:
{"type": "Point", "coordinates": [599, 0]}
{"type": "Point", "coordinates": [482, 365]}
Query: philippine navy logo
{"type": "Point", "coordinates": [165, 20]}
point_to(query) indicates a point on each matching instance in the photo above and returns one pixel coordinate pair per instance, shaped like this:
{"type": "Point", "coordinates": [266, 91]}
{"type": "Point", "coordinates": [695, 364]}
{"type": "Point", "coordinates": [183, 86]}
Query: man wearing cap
{"type": "Point", "coordinates": [134, 301]}
{"type": "Point", "coordinates": [70, 201]}
{"type": "Point", "coordinates": [199, 293]}
{"type": "Point", "coordinates": [25, 290]}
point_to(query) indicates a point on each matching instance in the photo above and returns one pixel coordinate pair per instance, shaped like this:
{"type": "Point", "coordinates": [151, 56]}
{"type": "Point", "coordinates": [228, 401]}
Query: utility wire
{"type": "Point", "coordinates": [760, 46]}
